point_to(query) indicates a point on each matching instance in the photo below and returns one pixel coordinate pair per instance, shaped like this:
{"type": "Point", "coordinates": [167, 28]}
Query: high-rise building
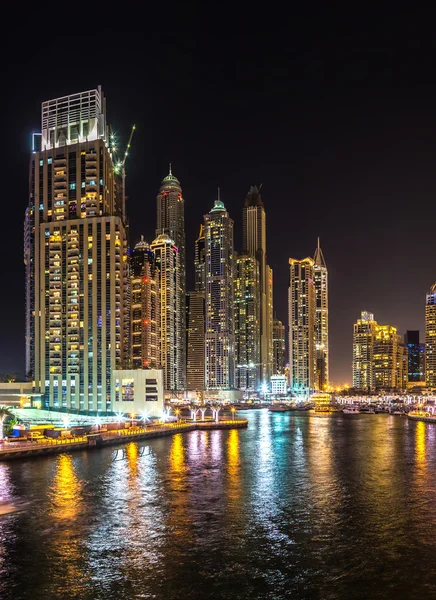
{"type": "Point", "coordinates": [430, 338]}
{"type": "Point", "coordinates": [363, 352]}
{"type": "Point", "coordinates": [415, 356]}
{"type": "Point", "coordinates": [254, 243]}
{"type": "Point", "coordinates": [195, 341]}
{"type": "Point", "coordinates": [247, 322]}
{"type": "Point", "coordinates": [321, 320]}
{"type": "Point", "coordinates": [220, 343]}
{"type": "Point", "coordinates": [200, 261]}
{"type": "Point", "coordinates": [75, 256]}
{"type": "Point", "coordinates": [379, 356]}
{"type": "Point", "coordinates": [279, 348]}
{"type": "Point", "coordinates": [171, 221]}
{"type": "Point", "coordinates": [302, 358]}
{"type": "Point", "coordinates": [170, 336]}
{"type": "Point", "coordinates": [144, 308]}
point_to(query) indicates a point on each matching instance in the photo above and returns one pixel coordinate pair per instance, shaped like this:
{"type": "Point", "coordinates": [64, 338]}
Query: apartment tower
{"type": "Point", "coordinates": [320, 274]}
{"type": "Point", "coordinates": [75, 256]}
{"type": "Point", "coordinates": [430, 338]}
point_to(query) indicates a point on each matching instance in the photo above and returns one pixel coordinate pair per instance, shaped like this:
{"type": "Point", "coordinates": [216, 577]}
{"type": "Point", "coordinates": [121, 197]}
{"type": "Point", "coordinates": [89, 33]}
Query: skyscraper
{"type": "Point", "coordinates": [247, 322]}
{"type": "Point", "coordinates": [279, 349]}
{"type": "Point", "coordinates": [167, 262]}
{"type": "Point", "coordinates": [379, 356]}
{"type": "Point", "coordinates": [200, 261]}
{"type": "Point", "coordinates": [430, 338]}
{"type": "Point", "coordinates": [415, 356]}
{"type": "Point", "coordinates": [171, 221]}
{"type": "Point", "coordinates": [195, 341]}
{"type": "Point", "coordinates": [75, 257]}
{"type": "Point", "coordinates": [254, 243]}
{"type": "Point", "coordinates": [144, 308]}
{"type": "Point", "coordinates": [321, 320]}
{"type": "Point", "coordinates": [220, 344]}
{"type": "Point", "coordinates": [302, 359]}
{"type": "Point", "coordinates": [363, 352]}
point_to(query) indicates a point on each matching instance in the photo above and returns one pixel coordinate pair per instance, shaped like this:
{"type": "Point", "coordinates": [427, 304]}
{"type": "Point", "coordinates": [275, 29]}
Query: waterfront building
{"type": "Point", "coordinates": [363, 352]}
{"type": "Point", "coordinates": [200, 262]}
{"type": "Point", "coordinates": [139, 393]}
{"type": "Point", "coordinates": [279, 348]}
{"type": "Point", "coordinates": [171, 222]}
{"type": "Point", "coordinates": [321, 320]}
{"type": "Point", "coordinates": [415, 356]}
{"type": "Point", "coordinates": [254, 243]}
{"type": "Point", "coordinates": [430, 337]}
{"type": "Point", "coordinates": [302, 358]}
{"type": "Point", "coordinates": [170, 336]}
{"type": "Point", "coordinates": [220, 344]}
{"type": "Point", "coordinates": [247, 323]}
{"type": "Point", "coordinates": [379, 356]}
{"type": "Point", "coordinates": [195, 341]}
{"type": "Point", "coordinates": [75, 257]}
{"type": "Point", "coordinates": [144, 308]}
{"type": "Point", "coordinates": [278, 385]}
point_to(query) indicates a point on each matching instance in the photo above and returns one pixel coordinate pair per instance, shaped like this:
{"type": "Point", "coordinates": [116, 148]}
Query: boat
{"type": "Point", "coordinates": [350, 410]}
{"type": "Point", "coordinates": [279, 408]}
{"type": "Point", "coordinates": [367, 410]}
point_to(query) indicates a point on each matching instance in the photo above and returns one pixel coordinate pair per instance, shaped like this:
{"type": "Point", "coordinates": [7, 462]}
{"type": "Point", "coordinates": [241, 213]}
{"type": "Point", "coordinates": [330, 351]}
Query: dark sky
{"type": "Point", "coordinates": [334, 113]}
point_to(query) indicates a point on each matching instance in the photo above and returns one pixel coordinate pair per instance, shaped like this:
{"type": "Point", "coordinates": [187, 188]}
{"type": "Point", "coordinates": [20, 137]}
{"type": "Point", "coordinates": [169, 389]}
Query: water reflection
{"type": "Point", "coordinates": [420, 448]}
{"type": "Point", "coordinates": [234, 476]}
{"type": "Point", "coordinates": [66, 491]}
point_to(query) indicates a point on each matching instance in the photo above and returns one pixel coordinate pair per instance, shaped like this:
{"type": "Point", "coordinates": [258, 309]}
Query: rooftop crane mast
{"type": "Point", "coordinates": [119, 165]}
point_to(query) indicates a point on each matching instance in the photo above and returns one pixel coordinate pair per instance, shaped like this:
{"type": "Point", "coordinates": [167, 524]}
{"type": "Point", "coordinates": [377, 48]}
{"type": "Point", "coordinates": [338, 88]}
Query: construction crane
{"type": "Point", "coordinates": [119, 164]}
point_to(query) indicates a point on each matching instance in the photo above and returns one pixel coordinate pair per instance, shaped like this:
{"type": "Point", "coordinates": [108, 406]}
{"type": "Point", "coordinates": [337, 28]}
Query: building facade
{"type": "Point", "coordinates": [139, 393]}
{"type": "Point", "coordinates": [170, 335]}
{"type": "Point", "coordinates": [321, 320]}
{"type": "Point", "coordinates": [254, 243]}
{"type": "Point", "coordinates": [195, 331]}
{"type": "Point", "coordinates": [75, 255]}
{"type": "Point", "coordinates": [200, 261]}
{"type": "Point", "coordinates": [220, 343]}
{"type": "Point", "coordinates": [171, 222]}
{"type": "Point", "coordinates": [247, 323]}
{"type": "Point", "coordinates": [430, 338]}
{"type": "Point", "coordinates": [144, 308]}
{"type": "Point", "coordinates": [302, 358]}
{"type": "Point", "coordinates": [415, 356]}
{"type": "Point", "coordinates": [279, 347]}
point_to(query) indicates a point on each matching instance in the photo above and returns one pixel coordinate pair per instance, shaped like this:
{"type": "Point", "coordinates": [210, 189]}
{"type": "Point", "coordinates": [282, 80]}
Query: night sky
{"type": "Point", "coordinates": [334, 114]}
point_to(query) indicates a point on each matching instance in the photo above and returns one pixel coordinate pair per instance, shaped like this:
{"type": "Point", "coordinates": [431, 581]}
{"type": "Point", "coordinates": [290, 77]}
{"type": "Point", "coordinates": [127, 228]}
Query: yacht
{"type": "Point", "coordinates": [278, 408]}
{"type": "Point", "coordinates": [350, 410]}
{"type": "Point", "coordinates": [367, 410]}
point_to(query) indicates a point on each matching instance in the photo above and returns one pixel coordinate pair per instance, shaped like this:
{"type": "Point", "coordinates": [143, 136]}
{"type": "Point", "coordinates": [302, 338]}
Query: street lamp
{"type": "Point", "coordinates": [132, 416]}
{"type": "Point", "coordinates": [233, 410]}
{"type": "Point", "coordinates": [177, 413]}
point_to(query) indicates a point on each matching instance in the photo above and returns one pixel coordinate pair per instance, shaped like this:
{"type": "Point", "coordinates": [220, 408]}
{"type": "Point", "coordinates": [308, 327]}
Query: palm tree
{"type": "Point", "coordinates": [203, 409]}
{"type": "Point", "coordinates": [193, 408]}
{"type": "Point", "coordinates": [216, 407]}
{"type": "Point", "coordinates": [4, 414]}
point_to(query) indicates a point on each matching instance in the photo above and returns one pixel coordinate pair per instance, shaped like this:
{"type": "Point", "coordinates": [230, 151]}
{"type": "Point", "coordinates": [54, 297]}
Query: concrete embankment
{"type": "Point", "coordinates": [17, 450]}
{"type": "Point", "coordinates": [425, 418]}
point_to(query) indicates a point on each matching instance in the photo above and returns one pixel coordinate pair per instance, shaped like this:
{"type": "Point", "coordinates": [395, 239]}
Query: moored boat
{"type": "Point", "coordinates": [350, 410]}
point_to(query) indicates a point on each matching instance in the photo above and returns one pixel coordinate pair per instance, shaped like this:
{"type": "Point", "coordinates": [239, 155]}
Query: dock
{"type": "Point", "coordinates": [17, 450]}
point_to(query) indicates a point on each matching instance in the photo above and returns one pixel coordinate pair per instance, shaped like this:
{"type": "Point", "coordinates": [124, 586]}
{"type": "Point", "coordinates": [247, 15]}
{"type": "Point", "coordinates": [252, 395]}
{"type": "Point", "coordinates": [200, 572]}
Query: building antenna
{"type": "Point", "coordinates": [218, 194]}
{"type": "Point", "coordinates": [170, 169]}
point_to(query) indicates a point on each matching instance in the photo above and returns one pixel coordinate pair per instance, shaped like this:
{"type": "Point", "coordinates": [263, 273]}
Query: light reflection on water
{"type": "Point", "coordinates": [295, 506]}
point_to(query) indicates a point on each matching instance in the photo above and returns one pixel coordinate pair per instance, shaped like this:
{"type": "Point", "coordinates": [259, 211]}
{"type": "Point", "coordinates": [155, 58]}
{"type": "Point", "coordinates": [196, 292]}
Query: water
{"type": "Point", "coordinates": [296, 506]}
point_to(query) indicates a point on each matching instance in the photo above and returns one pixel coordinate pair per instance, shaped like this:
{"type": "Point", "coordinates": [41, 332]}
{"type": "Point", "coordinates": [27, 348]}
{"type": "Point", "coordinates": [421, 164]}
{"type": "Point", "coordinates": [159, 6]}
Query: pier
{"type": "Point", "coordinates": [16, 450]}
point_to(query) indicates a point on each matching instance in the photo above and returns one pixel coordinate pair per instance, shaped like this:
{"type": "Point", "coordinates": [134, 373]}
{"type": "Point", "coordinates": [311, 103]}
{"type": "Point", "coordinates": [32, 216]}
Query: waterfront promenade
{"type": "Point", "coordinates": [17, 450]}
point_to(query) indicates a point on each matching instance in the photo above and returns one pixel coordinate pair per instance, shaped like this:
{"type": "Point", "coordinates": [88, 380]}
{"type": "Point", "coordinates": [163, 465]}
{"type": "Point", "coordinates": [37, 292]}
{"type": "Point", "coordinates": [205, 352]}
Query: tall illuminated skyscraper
{"type": "Point", "coordinates": [247, 322]}
{"type": "Point", "coordinates": [220, 343]}
{"type": "Point", "coordinates": [415, 356]}
{"type": "Point", "coordinates": [75, 257]}
{"type": "Point", "coordinates": [363, 352]}
{"type": "Point", "coordinates": [200, 261]}
{"type": "Point", "coordinates": [144, 308]}
{"type": "Point", "coordinates": [171, 221]}
{"type": "Point", "coordinates": [321, 320]}
{"type": "Point", "coordinates": [254, 243]}
{"type": "Point", "coordinates": [302, 358]}
{"type": "Point", "coordinates": [279, 348]}
{"type": "Point", "coordinates": [430, 338]}
{"type": "Point", "coordinates": [195, 341]}
{"type": "Point", "coordinates": [167, 262]}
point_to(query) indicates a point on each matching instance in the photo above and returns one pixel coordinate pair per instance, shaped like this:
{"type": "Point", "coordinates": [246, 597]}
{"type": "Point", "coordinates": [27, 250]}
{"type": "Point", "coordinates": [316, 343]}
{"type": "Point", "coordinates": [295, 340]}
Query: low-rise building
{"type": "Point", "coordinates": [139, 392]}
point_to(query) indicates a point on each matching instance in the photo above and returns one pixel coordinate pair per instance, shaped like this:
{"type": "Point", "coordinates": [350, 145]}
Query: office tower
{"type": "Point", "coordinates": [144, 308]}
{"type": "Point", "coordinates": [389, 359]}
{"type": "Point", "coordinates": [279, 351]}
{"type": "Point", "coordinates": [321, 320]}
{"type": "Point", "coordinates": [171, 221]}
{"type": "Point", "coordinates": [254, 243]}
{"type": "Point", "coordinates": [301, 325]}
{"type": "Point", "coordinates": [363, 352]}
{"type": "Point", "coordinates": [247, 323]}
{"type": "Point", "coordinates": [415, 356]}
{"type": "Point", "coordinates": [75, 257]}
{"type": "Point", "coordinates": [220, 345]}
{"type": "Point", "coordinates": [200, 261]}
{"type": "Point", "coordinates": [170, 335]}
{"type": "Point", "coordinates": [430, 338]}
{"type": "Point", "coordinates": [195, 341]}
